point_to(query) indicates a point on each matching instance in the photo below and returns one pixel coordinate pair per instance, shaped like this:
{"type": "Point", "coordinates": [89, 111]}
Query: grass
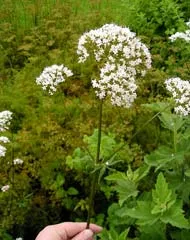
{"type": "Point", "coordinates": [24, 14]}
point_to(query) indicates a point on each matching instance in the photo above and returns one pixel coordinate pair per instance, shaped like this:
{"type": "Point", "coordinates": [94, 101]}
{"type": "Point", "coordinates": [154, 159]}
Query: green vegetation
{"type": "Point", "coordinates": [143, 189]}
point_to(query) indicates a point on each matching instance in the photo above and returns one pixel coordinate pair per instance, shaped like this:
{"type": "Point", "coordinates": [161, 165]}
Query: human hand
{"type": "Point", "coordinates": [69, 231]}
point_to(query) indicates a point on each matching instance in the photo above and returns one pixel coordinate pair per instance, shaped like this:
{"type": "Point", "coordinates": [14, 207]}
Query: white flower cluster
{"type": "Point", "coordinates": [2, 151]}
{"type": "Point", "coordinates": [52, 76]}
{"type": "Point", "coordinates": [182, 35]}
{"type": "Point", "coordinates": [18, 161]}
{"type": "Point", "coordinates": [180, 91]}
{"type": "Point", "coordinates": [122, 58]}
{"type": "Point", "coordinates": [5, 188]}
{"type": "Point", "coordinates": [5, 118]}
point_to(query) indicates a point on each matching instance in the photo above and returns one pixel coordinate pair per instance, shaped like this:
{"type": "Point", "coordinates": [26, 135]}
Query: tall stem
{"type": "Point", "coordinates": [97, 160]}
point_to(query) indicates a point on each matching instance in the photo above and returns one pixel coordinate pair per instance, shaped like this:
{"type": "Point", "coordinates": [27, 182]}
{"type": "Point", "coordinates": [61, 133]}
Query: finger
{"type": "Point", "coordinates": [71, 229]}
{"type": "Point", "coordinates": [84, 235]}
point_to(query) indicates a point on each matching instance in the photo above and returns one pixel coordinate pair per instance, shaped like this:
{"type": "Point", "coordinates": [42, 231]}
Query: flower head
{"type": "Point", "coordinates": [5, 188]}
{"type": "Point", "coordinates": [2, 151]}
{"type": "Point", "coordinates": [180, 91]}
{"type": "Point", "coordinates": [5, 117]}
{"type": "Point", "coordinates": [18, 161]}
{"type": "Point", "coordinates": [52, 76]}
{"type": "Point", "coordinates": [122, 58]}
{"type": "Point", "coordinates": [4, 139]}
{"type": "Point", "coordinates": [181, 35]}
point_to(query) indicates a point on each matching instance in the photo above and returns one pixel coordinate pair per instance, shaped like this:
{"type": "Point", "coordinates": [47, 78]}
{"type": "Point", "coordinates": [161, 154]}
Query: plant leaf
{"type": "Point", "coordinates": [175, 216]}
{"type": "Point", "coordinates": [162, 156]}
{"type": "Point", "coordinates": [124, 187]}
{"type": "Point", "coordinates": [172, 122]}
{"type": "Point", "coordinates": [142, 212]}
{"type": "Point", "coordinates": [162, 196]}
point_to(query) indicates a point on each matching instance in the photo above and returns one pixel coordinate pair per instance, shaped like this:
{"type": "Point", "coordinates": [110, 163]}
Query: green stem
{"type": "Point", "coordinates": [175, 140]}
{"type": "Point", "coordinates": [97, 160]}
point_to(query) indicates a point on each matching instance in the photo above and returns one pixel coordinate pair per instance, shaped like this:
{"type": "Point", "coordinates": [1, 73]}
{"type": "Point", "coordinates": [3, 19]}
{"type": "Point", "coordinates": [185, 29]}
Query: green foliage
{"type": "Point", "coordinates": [83, 160]}
{"type": "Point", "coordinates": [162, 207]}
{"type": "Point", "coordinates": [143, 177]}
{"type": "Point", "coordinates": [113, 235]}
{"type": "Point", "coordinates": [126, 185]}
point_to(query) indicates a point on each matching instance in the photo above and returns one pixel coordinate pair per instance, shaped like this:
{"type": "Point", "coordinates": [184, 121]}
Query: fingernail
{"type": "Point", "coordinates": [87, 234]}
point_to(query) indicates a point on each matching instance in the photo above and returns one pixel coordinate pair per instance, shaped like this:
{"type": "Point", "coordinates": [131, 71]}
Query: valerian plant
{"type": "Point", "coordinates": [121, 58]}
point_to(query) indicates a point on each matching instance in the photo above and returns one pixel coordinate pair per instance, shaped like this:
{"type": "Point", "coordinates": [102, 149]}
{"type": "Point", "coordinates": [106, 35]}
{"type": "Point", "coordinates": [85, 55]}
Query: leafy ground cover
{"type": "Point", "coordinates": [143, 176]}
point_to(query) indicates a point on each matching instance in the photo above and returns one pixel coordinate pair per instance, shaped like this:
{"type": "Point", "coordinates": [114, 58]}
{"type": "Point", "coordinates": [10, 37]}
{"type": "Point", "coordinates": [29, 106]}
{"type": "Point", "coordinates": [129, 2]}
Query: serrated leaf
{"type": "Point", "coordinates": [113, 235]}
{"type": "Point", "coordinates": [175, 216]}
{"type": "Point", "coordinates": [142, 212]}
{"type": "Point", "coordinates": [153, 232]}
{"type": "Point", "coordinates": [162, 156]}
{"type": "Point", "coordinates": [162, 196]}
{"type": "Point", "coordinates": [107, 144]}
{"type": "Point", "coordinates": [141, 172]}
{"type": "Point", "coordinates": [124, 187]}
{"type": "Point", "coordinates": [172, 122]}
{"type": "Point", "coordinates": [116, 176]}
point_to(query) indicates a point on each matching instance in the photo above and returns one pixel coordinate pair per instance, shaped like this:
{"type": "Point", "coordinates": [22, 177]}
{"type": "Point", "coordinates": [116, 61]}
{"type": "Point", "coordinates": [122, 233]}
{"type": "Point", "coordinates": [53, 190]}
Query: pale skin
{"type": "Point", "coordinates": [69, 231]}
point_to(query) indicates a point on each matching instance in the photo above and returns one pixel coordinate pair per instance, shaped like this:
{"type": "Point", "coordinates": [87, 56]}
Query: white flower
{"type": "Point", "coordinates": [4, 139]}
{"type": "Point", "coordinates": [5, 118]}
{"type": "Point", "coordinates": [5, 188]}
{"type": "Point", "coordinates": [123, 57]}
{"type": "Point", "coordinates": [181, 35]}
{"type": "Point", "coordinates": [180, 91]}
{"type": "Point", "coordinates": [18, 161]}
{"type": "Point", "coordinates": [52, 76]}
{"type": "Point", "coordinates": [188, 23]}
{"type": "Point", "coordinates": [2, 151]}
{"type": "Point", "coordinates": [19, 238]}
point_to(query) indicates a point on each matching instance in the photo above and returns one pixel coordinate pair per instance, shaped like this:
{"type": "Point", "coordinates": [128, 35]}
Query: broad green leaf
{"type": "Point", "coordinates": [172, 122]}
{"type": "Point", "coordinates": [124, 187]}
{"type": "Point", "coordinates": [175, 216]}
{"type": "Point", "coordinates": [162, 196]}
{"type": "Point", "coordinates": [153, 232]}
{"type": "Point", "coordinates": [72, 191]}
{"type": "Point", "coordinates": [142, 212]}
{"type": "Point", "coordinates": [108, 143]}
{"type": "Point", "coordinates": [113, 235]}
{"type": "Point", "coordinates": [79, 160]}
{"type": "Point", "coordinates": [164, 155]}
{"type": "Point", "coordinates": [141, 172]}
{"type": "Point", "coordinates": [116, 176]}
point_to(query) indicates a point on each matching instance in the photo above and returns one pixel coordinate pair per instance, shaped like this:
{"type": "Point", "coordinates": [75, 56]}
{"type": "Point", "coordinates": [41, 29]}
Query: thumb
{"type": "Point", "coordinates": [84, 235]}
